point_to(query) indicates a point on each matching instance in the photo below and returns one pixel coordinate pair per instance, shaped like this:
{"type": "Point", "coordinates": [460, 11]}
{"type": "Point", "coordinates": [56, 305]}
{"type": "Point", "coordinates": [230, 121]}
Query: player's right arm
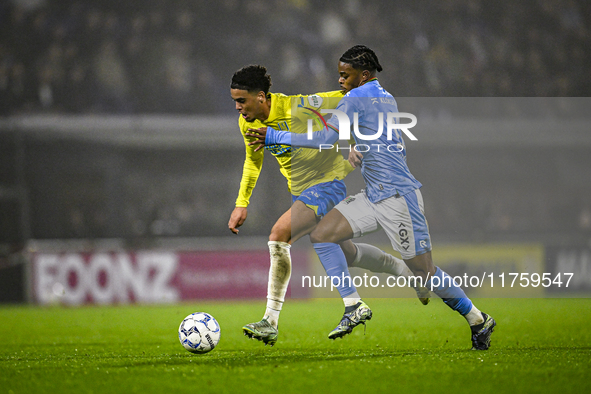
{"type": "Point", "coordinates": [253, 163]}
{"type": "Point", "coordinates": [237, 218]}
{"type": "Point", "coordinates": [328, 135]}
{"type": "Point", "coordinates": [265, 136]}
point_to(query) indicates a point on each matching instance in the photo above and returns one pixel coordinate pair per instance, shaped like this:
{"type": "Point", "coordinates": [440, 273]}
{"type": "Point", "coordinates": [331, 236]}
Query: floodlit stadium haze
{"type": "Point", "coordinates": [121, 160]}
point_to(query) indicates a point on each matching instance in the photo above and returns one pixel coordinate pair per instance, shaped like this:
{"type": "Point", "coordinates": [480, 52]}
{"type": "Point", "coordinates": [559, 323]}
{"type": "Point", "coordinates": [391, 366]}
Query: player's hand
{"type": "Point", "coordinates": [259, 136]}
{"type": "Point", "coordinates": [237, 219]}
{"type": "Point", "coordinates": [355, 157]}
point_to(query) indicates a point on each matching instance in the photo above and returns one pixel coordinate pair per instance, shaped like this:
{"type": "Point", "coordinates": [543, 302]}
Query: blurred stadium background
{"type": "Point", "coordinates": [120, 153]}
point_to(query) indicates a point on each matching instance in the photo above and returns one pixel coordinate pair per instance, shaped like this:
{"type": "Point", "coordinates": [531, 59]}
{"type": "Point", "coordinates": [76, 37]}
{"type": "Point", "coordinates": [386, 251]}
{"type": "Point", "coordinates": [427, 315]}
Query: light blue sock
{"type": "Point", "coordinates": [335, 264]}
{"type": "Point", "coordinates": [450, 293]}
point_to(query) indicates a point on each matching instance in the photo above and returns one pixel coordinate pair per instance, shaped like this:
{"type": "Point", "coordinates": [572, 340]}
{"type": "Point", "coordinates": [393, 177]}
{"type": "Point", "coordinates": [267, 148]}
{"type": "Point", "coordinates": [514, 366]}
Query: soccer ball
{"type": "Point", "coordinates": [199, 332]}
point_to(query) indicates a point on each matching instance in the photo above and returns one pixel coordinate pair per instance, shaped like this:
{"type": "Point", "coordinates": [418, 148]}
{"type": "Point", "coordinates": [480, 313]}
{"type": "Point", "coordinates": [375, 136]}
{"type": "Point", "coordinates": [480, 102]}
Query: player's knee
{"type": "Point", "coordinates": [280, 234]}
{"type": "Point", "coordinates": [319, 235]}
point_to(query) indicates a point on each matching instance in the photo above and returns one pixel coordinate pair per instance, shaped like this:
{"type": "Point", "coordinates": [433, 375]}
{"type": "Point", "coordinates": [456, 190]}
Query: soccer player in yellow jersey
{"type": "Point", "coordinates": [315, 182]}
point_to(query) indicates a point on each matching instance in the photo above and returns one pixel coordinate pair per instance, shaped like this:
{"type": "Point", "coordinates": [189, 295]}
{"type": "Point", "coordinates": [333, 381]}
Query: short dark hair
{"type": "Point", "coordinates": [361, 57]}
{"type": "Point", "coordinates": [253, 78]}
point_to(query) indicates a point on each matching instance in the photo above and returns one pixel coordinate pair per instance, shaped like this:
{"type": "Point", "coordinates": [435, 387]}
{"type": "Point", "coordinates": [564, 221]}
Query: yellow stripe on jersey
{"type": "Point", "coordinates": [300, 166]}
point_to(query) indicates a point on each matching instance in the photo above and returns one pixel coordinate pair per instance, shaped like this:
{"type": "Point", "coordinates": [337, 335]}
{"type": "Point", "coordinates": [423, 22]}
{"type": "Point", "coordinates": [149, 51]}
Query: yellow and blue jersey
{"type": "Point", "coordinates": [301, 167]}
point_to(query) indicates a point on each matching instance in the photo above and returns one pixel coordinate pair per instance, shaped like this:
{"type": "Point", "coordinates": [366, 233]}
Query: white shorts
{"type": "Point", "coordinates": [402, 218]}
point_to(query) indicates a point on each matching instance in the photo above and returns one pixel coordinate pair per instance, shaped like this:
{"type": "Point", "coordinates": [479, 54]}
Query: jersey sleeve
{"type": "Point", "coordinates": [348, 106]}
{"type": "Point", "coordinates": [326, 136]}
{"type": "Point", "coordinates": [253, 163]}
{"type": "Point", "coordinates": [318, 101]}
{"type": "Point", "coordinates": [335, 94]}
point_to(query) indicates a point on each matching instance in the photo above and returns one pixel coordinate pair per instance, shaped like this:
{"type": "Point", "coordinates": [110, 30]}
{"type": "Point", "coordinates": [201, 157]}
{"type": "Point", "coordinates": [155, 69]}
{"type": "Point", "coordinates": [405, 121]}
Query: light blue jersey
{"type": "Point", "coordinates": [386, 175]}
{"type": "Point", "coordinates": [384, 167]}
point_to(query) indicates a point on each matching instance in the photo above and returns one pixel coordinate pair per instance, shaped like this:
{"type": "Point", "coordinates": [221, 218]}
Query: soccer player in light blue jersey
{"type": "Point", "coordinates": [392, 199]}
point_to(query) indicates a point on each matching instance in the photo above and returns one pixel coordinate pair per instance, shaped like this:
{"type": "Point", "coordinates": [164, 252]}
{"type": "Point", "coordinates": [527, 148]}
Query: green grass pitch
{"type": "Point", "coordinates": [540, 345]}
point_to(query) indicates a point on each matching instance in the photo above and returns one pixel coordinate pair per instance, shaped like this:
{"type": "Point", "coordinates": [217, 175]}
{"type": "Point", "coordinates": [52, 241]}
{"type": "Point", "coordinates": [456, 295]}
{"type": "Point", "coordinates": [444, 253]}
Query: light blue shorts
{"type": "Point", "coordinates": [402, 218]}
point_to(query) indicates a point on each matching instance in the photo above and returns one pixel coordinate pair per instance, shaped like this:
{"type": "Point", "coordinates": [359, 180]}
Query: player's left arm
{"type": "Point", "coordinates": [270, 136]}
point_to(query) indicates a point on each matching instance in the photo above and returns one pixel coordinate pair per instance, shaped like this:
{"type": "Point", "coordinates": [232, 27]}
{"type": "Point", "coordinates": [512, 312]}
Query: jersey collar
{"type": "Point", "coordinates": [370, 80]}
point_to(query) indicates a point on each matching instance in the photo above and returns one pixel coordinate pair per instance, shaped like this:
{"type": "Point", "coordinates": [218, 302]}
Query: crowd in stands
{"type": "Point", "coordinates": [149, 56]}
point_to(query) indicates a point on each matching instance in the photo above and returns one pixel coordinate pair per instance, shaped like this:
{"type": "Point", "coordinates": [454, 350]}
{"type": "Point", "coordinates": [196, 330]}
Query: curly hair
{"type": "Point", "coordinates": [361, 57]}
{"type": "Point", "coordinates": [253, 78]}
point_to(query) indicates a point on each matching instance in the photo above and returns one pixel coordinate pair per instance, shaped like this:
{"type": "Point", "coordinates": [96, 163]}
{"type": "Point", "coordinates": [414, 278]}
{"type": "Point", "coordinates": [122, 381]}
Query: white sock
{"type": "Point", "coordinates": [352, 299]}
{"type": "Point", "coordinates": [474, 317]}
{"type": "Point", "coordinates": [279, 274]}
{"type": "Point", "coordinates": [376, 260]}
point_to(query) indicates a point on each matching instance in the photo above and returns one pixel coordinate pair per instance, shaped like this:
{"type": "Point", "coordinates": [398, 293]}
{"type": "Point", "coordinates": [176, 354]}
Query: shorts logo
{"type": "Point", "coordinates": [423, 244]}
{"type": "Point", "coordinates": [404, 237]}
